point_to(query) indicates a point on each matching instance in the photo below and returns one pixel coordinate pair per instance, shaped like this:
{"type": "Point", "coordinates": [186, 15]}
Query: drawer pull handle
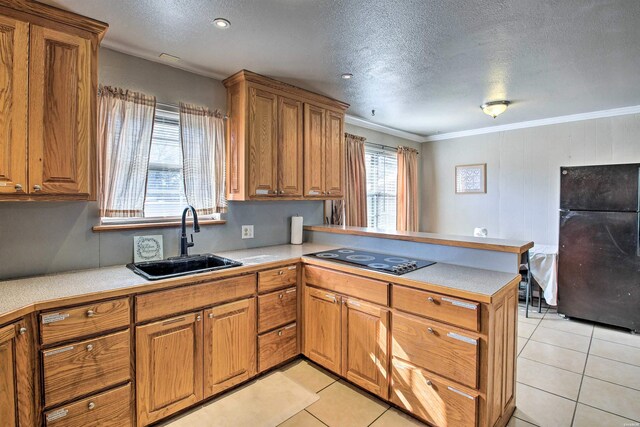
{"type": "Point", "coordinates": [56, 415]}
{"type": "Point", "coordinates": [91, 405]}
{"type": "Point", "coordinates": [460, 303]}
{"type": "Point", "coordinates": [58, 351]}
{"type": "Point", "coordinates": [90, 313]}
{"type": "Point", "coordinates": [280, 273]}
{"type": "Point", "coordinates": [462, 338]}
{"type": "Point", "coordinates": [429, 383]}
{"type": "Point", "coordinates": [280, 333]}
{"type": "Point", "coordinates": [430, 299]}
{"type": "Point", "coordinates": [431, 331]}
{"type": "Point", "coordinates": [281, 296]}
{"type": "Point", "coordinates": [53, 317]}
{"type": "Point", "coordinates": [89, 347]}
{"type": "Point", "coordinates": [460, 392]}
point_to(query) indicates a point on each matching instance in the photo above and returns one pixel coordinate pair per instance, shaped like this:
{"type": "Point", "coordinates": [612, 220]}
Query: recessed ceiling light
{"type": "Point", "coordinates": [221, 23]}
{"type": "Point", "coordinates": [169, 58]}
{"type": "Point", "coordinates": [346, 76]}
{"type": "Point", "coordinates": [495, 108]}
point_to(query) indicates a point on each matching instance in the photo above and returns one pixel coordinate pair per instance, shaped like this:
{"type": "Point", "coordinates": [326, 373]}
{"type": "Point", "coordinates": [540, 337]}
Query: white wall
{"type": "Point", "coordinates": [523, 179]}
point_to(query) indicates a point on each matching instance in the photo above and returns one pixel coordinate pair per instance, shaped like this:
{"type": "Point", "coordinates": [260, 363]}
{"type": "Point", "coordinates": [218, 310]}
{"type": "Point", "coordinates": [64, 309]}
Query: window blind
{"type": "Point", "coordinates": [382, 177]}
{"type": "Point", "coordinates": [165, 183]}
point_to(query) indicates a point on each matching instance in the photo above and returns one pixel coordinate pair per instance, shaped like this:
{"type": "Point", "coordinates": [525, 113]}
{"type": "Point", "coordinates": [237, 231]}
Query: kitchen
{"type": "Point", "coordinates": [63, 257]}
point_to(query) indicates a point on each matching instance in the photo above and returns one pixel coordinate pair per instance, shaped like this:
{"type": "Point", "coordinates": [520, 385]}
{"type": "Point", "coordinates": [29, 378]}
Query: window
{"type": "Point", "coordinates": [382, 177]}
{"type": "Point", "coordinates": [165, 183]}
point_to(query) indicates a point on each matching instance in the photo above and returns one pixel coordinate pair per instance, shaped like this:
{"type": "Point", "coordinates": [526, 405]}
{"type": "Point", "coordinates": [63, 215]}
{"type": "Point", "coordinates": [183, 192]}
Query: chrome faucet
{"type": "Point", "coordinates": [184, 243]}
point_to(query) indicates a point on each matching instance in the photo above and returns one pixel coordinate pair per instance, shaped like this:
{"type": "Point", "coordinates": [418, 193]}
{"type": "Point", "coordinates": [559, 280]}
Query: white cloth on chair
{"type": "Point", "coordinates": [544, 269]}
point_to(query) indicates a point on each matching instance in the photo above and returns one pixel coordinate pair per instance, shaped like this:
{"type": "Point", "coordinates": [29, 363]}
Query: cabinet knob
{"type": "Point", "coordinates": [22, 330]}
{"type": "Point", "coordinates": [430, 330]}
{"type": "Point", "coordinates": [210, 315]}
{"type": "Point", "coordinates": [91, 405]}
{"type": "Point", "coordinates": [18, 187]}
{"type": "Point", "coordinates": [90, 313]}
{"type": "Point", "coordinates": [89, 347]}
{"type": "Point", "coordinates": [280, 333]}
{"type": "Point", "coordinates": [199, 318]}
{"type": "Point", "coordinates": [280, 296]}
{"type": "Point", "coordinates": [37, 187]}
{"type": "Point", "coordinates": [280, 273]}
{"type": "Point", "coordinates": [430, 299]}
{"type": "Point", "coordinates": [429, 383]}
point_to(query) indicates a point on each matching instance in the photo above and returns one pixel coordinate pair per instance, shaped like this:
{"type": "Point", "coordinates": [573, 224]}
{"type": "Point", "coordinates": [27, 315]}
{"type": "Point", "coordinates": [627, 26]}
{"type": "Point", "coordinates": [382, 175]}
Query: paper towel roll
{"type": "Point", "coordinates": [296, 230]}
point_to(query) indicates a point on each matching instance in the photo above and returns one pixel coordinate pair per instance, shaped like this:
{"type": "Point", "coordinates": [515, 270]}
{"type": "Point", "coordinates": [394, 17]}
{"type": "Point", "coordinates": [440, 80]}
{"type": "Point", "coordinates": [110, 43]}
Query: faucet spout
{"type": "Point", "coordinates": [184, 243]}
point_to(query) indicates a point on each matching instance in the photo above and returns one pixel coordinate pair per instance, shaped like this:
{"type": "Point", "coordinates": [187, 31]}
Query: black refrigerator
{"type": "Point", "coordinates": [599, 245]}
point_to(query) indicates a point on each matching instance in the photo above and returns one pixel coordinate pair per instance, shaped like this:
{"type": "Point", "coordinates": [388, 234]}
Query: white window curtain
{"type": "Point", "coordinates": [203, 154]}
{"type": "Point", "coordinates": [125, 126]}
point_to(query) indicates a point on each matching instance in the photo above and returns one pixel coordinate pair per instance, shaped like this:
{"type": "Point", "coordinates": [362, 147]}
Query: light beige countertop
{"type": "Point", "coordinates": [21, 296]}
{"type": "Point", "coordinates": [486, 243]}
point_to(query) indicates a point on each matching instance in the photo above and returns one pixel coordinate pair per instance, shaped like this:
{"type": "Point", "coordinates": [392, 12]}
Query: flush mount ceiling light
{"type": "Point", "coordinates": [221, 23]}
{"type": "Point", "coordinates": [346, 76]}
{"type": "Point", "coordinates": [495, 108]}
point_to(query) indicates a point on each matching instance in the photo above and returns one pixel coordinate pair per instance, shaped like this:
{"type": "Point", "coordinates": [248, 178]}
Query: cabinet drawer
{"type": "Point", "coordinates": [83, 367]}
{"type": "Point", "coordinates": [455, 311]}
{"type": "Point", "coordinates": [277, 346]}
{"type": "Point", "coordinates": [76, 322]}
{"type": "Point", "coordinates": [109, 409]}
{"type": "Point", "coordinates": [348, 284]}
{"type": "Point", "coordinates": [431, 398]}
{"type": "Point", "coordinates": [436, 347]}
{"type": "Point", "coordinates": [188, 298]}
{"type": "Point", "coordinates": [277, 309]}
{"type": "Point", "coordinates": [277, 278]}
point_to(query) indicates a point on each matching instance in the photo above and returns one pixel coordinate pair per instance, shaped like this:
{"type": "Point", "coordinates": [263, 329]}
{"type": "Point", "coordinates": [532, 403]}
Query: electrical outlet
{"type": "Point", "coordinates": [247, 231]}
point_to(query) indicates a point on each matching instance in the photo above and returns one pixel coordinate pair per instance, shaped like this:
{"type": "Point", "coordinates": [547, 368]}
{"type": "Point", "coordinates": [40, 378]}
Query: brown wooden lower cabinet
{"type": "Point", "coordinates": [168, 366]}
{"type": "Point", "coordinates": [435, 400]}
{"type": "Point", "coordinates": [277, 346]}
{"type": "Point", "coordinates": [229, 345]}
{"type": "Point", "coordinates": [349, 337]}
{"type": "Point", "coordinates": [16, 376]}
{"type": "Point", "coordinates": [112, 408]}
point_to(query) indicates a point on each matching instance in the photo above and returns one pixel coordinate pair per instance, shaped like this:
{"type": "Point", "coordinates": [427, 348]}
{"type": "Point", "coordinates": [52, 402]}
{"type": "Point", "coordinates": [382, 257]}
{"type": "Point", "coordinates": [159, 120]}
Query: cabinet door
{"type": "Point", "coordinates": [14, 51]}
{"type": "Point", "coordinates": [289, 147]}
{"type": "Point", "coordinates": [62, 144]}
{"type": "Point", "coordinates": [229, 345]}
{"type": "Point", "coordinates": [314, 146]}
{"type": "Point", "coordinates": [17, 375]}
{"type": "Point", "coordinates": [168, 366]}
{"type": "Point", "coordinates": [263, 143]}
{"type": "Point", "coordinates": [365, 329]}
{"type": "Point", "coordinates": [334, 155]}
{"type": "Point", "coordinates": [322, 328]}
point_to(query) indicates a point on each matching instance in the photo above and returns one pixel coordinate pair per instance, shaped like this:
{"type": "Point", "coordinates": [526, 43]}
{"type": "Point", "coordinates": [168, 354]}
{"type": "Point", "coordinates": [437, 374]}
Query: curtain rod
{"type": "Point", "coordinates": [382, 146]}
{"type": "Point", "coordinates": [177, 108]}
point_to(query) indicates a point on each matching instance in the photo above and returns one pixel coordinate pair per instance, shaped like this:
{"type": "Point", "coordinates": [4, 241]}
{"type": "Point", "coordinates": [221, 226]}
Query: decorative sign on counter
{"type": "Point", "coordinates": [147, 248]}
{"type": "Point", "coordinates": [471, 178]}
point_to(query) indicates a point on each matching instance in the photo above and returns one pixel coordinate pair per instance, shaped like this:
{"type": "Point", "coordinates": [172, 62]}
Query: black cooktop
{"type": "Point", "coordinates": [374, 261]}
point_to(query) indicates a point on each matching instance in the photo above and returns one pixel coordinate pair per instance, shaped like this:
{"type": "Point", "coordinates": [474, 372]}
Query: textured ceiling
{"type": "Point", "coordinates": [425, 66]}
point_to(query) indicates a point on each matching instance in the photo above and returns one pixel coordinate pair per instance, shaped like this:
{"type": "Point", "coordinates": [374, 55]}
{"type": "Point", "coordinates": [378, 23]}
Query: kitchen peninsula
{"type": "Point", "coordinates": [445, 333]}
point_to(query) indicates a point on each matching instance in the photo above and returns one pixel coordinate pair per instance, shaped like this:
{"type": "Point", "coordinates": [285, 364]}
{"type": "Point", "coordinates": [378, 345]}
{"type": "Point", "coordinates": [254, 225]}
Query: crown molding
{"type": "Point", "coordinates": [357, 121]}
{"type": "Point", "coordinates": [635, 109]}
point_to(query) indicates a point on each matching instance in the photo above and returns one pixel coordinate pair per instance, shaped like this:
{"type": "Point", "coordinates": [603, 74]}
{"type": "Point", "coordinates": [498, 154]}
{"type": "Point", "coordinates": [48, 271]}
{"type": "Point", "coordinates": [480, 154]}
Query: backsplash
{"type": "Point", "coordinates": [39, 238]}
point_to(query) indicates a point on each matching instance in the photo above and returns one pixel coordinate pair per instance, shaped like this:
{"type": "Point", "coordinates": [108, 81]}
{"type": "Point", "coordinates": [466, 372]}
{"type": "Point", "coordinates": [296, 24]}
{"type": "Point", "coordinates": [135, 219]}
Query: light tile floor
{"type": "Point", "coordinates": [570, 373]}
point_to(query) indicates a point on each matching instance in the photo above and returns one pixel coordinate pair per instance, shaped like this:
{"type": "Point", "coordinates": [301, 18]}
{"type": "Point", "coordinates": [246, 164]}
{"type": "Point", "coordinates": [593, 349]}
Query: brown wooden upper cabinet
{"type": "Point", "coordinates": [282, 141]}
{"type": "Point", "coordinates": [48, 133]}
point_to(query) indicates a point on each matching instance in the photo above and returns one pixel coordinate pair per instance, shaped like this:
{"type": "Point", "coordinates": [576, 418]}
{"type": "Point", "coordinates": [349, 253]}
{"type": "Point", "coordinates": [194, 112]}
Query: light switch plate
{"type": "Point", "coordinates": [247, 231]}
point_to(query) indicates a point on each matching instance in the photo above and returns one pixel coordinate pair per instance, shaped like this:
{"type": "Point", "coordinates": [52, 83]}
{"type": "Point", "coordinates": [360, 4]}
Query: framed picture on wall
{"type": "Point", "coordinates": [471, 179]}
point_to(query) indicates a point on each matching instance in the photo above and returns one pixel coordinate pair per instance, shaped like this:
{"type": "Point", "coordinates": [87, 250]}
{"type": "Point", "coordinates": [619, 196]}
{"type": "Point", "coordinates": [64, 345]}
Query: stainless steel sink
{"type": "Point", "coordinates": [181, 266]}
